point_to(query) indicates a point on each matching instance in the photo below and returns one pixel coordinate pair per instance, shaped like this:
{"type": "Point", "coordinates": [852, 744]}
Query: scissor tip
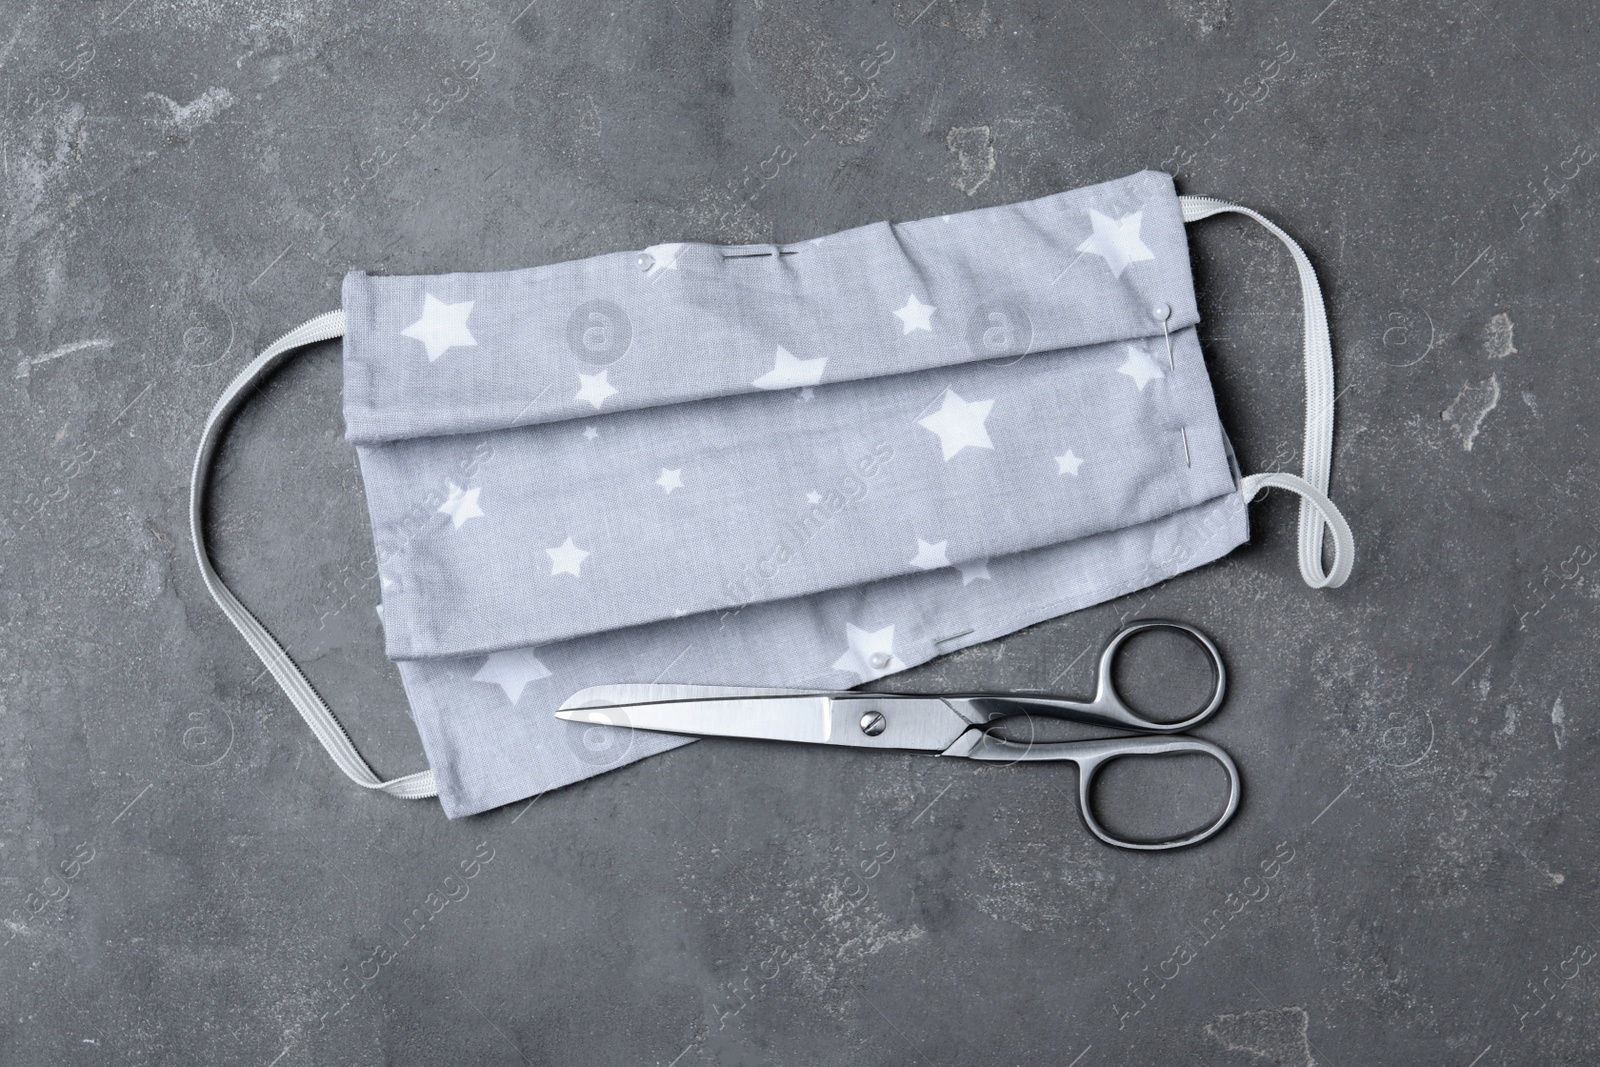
{"type": "Point", "coordinates": [593, 716]}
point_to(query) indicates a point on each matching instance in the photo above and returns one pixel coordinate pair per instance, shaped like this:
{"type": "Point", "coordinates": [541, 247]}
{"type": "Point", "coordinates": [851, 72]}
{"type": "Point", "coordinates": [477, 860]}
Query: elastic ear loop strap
{"type": "Point", "coordinates": [1317, 512]}
{"type": "Point", "coordinates": [305, 699]}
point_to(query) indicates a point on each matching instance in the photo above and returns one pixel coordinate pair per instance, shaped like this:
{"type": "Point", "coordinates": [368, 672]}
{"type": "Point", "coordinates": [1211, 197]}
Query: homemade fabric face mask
{"type": "Point", "coordinates": [805, 465]}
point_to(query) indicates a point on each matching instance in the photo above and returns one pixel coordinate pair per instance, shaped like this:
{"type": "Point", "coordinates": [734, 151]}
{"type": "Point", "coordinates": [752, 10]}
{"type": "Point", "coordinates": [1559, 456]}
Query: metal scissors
{"type": "Point", "coordinates": [958, 724]}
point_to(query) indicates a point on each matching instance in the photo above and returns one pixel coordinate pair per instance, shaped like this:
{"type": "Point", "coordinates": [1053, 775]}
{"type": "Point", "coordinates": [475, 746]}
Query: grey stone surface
{"type": "Point", "coordinates": [185, 878]}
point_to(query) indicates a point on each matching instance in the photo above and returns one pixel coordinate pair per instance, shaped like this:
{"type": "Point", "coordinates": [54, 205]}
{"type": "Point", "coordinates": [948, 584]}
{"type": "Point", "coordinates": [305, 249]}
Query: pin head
{"type": "Point", "coordinates": [646, 261]}
{"type": "Point", "coordinates": [1162, 312]}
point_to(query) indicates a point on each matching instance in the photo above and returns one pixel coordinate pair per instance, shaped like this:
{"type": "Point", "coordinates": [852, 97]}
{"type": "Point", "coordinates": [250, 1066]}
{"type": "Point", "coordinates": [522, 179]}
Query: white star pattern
{"type": "Point", "coordinates": [915, 315]}
{"type": "Point", "coordinates": [1140, 367]}
{"type": "Point", "coordinates": [442, 327]}
{"type": "Point", "coordinates": [512, 671]}
{"type": "Point", "coordinates": [566, 558]}
{"type": "Point", "coordinates": [971, 572]}
{"type": "Point", "coordinates": [959, 424]}
{"type": "Point", "coordinates": [1116, 241]}
{"type": "Point", "coordinates": [596, 388]}
{"type": "Point", "coordinates": [871, 653]}
{"type": "Point", "coordinates": [790, 373]}
{"type": "Point", "coordinates": [930, 556]}
{"type": "Point", "coordinates": [461, 505]}
{"type": "Point", "coordinates": [663, 258]}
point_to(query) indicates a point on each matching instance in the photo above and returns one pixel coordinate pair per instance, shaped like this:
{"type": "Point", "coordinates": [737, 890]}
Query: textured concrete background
{"type": "Point", "coordinates": [186, 879]}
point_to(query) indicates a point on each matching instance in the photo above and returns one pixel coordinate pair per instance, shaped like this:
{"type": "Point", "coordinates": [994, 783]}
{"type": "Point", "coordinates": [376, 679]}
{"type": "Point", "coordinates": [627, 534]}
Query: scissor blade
{"type": "Point", "coordinates": [792, 718]}
{"type": "Point", "coordinates": [859, 720]}
{"type": "Point", "coordinates": [597, 696]}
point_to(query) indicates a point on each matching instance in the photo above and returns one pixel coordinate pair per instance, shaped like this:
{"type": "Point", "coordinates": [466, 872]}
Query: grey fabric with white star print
{"type": "Point", "coordinates": [690, 483]}
{"type": "Point", "coordinates": [807, 465]}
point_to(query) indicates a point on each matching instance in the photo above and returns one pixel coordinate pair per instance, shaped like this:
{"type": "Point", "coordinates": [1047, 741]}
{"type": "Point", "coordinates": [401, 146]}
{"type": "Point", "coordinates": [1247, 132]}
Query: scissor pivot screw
{"type": "Point", "coordinates": [873, 723]}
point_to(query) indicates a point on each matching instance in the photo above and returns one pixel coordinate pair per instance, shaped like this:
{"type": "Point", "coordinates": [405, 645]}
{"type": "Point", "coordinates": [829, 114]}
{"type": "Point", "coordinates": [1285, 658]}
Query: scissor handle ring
{"type": "Point", "coordinates": [1090, 763]}
{"type": "Point", "coordinates": [1090, 756]}
{"type": "Point", "coordinates": [1108, 699]}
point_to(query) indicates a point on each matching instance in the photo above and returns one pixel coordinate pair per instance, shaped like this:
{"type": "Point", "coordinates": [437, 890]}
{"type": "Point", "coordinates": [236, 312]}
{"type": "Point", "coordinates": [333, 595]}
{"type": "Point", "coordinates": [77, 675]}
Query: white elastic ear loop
{"type": "Point", "coordinates": [305, 699]}
{"type": "Point", "coordinates": [1344, 544]}
{"type": "Point", "coordinates": [1317, 513]}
